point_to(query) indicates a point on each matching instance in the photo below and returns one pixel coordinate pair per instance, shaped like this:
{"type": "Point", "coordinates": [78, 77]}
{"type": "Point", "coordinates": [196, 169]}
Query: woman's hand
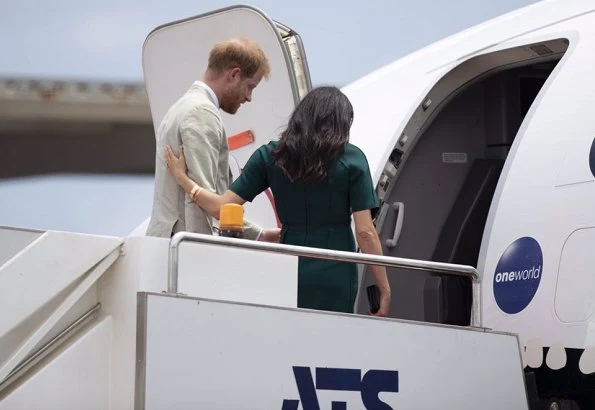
{"type": "Point", "coordinates": [270, 235]}
{"type": "Point", "coordinates": [385, 295]}
{"type": "Point", "coordinates": [176, 166]}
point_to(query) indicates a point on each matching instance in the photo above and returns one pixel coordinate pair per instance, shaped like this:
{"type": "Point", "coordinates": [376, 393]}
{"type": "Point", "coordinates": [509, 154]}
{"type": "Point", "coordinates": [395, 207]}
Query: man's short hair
{"type": "Point", "coordinates": [243, 53]}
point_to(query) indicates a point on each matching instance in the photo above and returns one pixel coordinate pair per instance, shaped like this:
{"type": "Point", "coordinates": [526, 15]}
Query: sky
{"type": "Point", "coordinates": [102, 40]}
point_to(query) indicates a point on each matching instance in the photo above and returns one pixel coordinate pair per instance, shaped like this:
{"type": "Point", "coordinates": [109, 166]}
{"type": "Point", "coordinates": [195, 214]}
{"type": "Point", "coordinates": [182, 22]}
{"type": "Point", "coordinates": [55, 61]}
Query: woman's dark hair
{"type": "Point", "coordinates": [316, 134]}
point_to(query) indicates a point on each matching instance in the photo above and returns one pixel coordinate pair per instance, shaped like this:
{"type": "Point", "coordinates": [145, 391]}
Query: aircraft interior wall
{"type": "Point", "coordinates": [445, 185]}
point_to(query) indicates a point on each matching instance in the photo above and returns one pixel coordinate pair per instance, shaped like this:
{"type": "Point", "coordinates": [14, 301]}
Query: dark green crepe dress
{"type": "Point", "coordinates": [316, 215]}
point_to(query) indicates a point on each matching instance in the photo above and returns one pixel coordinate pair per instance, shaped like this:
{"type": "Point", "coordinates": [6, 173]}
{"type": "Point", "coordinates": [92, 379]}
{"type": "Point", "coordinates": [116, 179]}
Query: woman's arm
{"type": "Point", "coordinates": [209, 201]}
{"type": "Point", "coordinates": [368, 241]}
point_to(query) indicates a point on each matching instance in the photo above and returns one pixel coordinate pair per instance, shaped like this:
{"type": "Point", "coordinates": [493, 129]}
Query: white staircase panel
{"type": "Point", "coordinates": [76, 377]}
{"type": "Point", "coordinates": [57, 315]}
{"type": "Point", "coordinates": [14, 240]}
{"type": "Point", "coordinates": [196, 353]}
{"type": "Point", "coordinates": [44, 269]}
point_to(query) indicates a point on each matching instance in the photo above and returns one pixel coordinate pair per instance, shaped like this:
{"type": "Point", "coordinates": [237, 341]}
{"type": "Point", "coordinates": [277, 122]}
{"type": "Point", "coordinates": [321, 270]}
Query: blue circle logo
{"type": "Point", "coordinates": [518, 274]}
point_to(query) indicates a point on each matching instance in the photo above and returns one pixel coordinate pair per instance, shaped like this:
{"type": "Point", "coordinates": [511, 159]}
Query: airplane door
{"type": "Point", "coordinates": [175, 55]}
{"type": "Point", "coordinates": [537, 262]}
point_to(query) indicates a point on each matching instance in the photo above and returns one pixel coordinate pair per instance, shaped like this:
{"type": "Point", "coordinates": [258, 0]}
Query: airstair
{"type": "Point", "coordinates": [201, 321]}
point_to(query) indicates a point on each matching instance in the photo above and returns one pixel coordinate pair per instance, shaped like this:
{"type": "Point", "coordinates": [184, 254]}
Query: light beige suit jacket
{"type": "Point", "coordinates": [194, 122]}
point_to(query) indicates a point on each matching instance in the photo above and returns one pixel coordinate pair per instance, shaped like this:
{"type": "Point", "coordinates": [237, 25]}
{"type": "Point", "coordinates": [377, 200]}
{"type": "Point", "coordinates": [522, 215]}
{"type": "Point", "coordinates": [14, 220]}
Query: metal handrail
{"type": "Point", "coordinates": [328, 254]}
{"type": "Point", "coordinates": [47, 348]}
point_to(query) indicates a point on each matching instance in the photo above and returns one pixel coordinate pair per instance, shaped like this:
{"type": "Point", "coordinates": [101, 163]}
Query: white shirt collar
{"type": "Point", "coordinates": [209, 90]}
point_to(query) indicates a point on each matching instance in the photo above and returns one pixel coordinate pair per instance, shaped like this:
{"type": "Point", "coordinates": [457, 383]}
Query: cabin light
{"type": "Point", "coordinates": [541, 49]}
{"type": "Point", "coordinates": [426, 104]}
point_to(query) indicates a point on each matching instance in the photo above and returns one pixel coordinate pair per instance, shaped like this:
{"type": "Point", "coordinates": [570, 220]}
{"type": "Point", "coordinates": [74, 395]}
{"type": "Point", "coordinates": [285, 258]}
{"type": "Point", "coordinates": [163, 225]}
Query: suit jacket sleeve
{"type": "Point", "coordinates": [251, 230]}
{"type": "Point", "coordinates": [202, 135]}
{"type": "Point", "coordinates": [201, 132]}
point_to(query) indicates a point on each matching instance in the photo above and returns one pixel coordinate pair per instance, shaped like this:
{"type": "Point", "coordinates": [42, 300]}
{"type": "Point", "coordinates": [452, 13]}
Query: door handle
{"type": "Point", "coordinates": [399, 208]}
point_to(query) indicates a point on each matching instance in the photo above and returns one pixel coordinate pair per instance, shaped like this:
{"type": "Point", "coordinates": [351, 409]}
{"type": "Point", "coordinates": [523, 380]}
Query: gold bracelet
{"type": "Point", "coordinates": [198, 191]}
{"type": "Point", "coordinates": [194, 192]}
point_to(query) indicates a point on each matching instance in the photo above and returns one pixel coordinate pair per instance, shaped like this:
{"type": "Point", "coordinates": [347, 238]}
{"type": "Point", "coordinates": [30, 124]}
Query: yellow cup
{"type": "Point", "coordinates": [231, 216]}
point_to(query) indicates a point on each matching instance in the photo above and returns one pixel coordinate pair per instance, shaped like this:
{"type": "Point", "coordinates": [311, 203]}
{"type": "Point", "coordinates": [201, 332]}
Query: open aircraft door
{"type": "Point", "coordinates": [175, 55]}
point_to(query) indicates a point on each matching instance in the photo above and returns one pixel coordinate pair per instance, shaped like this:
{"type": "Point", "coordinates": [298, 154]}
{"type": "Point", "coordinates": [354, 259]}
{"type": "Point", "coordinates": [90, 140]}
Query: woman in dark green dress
{"type": "Point", "coordinates": [319, 180]}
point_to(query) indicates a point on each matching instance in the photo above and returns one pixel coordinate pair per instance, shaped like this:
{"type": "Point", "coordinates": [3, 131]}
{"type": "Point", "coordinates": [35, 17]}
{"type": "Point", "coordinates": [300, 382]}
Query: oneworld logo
{"type": "Point", "coordinates": [370, 386]}
{"type": "Point", "coordinates": [533, 273]}
{"type": "Point", "coordinates": [518, 274]}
